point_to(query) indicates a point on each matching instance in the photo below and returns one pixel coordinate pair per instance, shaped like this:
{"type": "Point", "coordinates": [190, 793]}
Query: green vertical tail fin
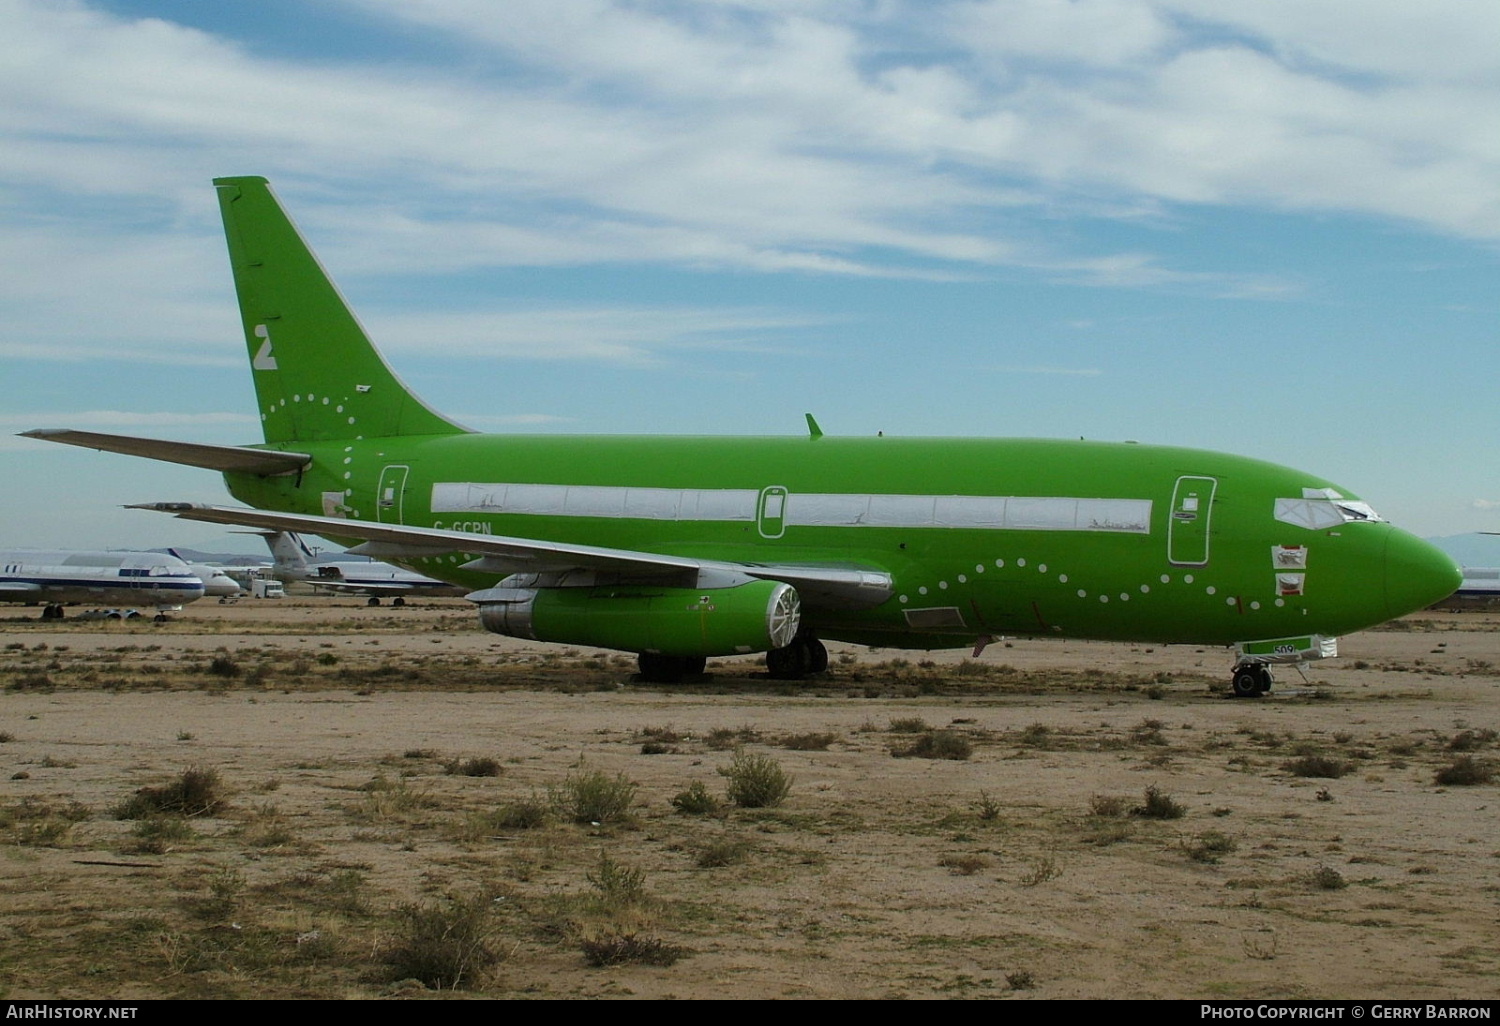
{"type": "Point", "coordinates": [317, 376]}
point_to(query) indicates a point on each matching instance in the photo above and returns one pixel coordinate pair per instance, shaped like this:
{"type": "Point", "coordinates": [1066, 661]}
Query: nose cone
{"type": "Point", "coordinates": [1416, 574]}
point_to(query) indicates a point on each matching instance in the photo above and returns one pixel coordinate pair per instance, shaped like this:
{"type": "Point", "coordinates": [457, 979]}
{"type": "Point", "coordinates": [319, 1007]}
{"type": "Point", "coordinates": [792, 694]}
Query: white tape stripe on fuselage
{"type": "Point", "coordinates": [802, 509]}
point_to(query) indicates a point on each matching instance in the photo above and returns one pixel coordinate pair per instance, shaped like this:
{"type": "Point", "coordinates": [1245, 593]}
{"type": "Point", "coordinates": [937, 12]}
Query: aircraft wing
{"type": "Point", "coordinates": [368, 589]}
{"type": "Point", "coordinates": [828, 586]}
{"type": "Point", "coordinates": [335, 584]}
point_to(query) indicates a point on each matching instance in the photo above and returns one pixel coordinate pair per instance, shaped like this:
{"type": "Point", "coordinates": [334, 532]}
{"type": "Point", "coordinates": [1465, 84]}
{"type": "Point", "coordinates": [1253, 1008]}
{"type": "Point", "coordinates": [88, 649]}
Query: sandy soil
{"type": "Point", "coordinates": [1017, 872]}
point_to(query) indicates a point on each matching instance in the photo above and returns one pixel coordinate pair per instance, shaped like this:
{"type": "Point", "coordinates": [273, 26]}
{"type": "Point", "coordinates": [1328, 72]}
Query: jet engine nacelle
{"type": "Point", "coordinates": [753, 617]}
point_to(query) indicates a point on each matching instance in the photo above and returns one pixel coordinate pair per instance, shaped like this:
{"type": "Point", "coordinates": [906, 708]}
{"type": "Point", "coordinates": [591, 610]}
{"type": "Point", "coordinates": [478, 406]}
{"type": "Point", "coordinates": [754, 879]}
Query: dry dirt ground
{"type": "Point", "coordinates": [341, 837]}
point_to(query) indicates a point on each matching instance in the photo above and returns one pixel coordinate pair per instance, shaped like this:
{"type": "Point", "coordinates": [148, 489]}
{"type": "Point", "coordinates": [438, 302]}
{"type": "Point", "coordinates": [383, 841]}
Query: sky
{"type": "Point", "coordinates": [1268, 229]}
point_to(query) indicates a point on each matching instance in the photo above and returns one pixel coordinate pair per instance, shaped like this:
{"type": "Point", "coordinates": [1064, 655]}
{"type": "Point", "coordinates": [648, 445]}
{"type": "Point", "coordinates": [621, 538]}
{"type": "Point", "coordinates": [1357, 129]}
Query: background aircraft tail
{"type": "Point", "coordinates": [288, 550]}
{"type": "Point", "coordinates": [317, 377]}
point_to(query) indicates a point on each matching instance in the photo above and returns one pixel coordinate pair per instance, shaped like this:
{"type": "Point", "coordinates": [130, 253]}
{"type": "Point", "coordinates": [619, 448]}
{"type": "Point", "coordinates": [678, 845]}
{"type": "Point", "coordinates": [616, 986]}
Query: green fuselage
{"type": "Point", "coordinates": [982, 537]}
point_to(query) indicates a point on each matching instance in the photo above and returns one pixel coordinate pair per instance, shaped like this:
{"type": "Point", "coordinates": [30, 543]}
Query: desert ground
{"type": "Point", "coordinates": [312, 798]}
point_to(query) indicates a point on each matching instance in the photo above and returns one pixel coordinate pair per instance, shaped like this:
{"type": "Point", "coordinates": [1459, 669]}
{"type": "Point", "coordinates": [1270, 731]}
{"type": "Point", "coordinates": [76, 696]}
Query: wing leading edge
{"type": "Point", "coordinates": [833, 587]}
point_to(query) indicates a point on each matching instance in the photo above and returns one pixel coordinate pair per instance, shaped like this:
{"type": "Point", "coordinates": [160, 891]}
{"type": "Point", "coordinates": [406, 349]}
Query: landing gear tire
{"type": "Point", "coordinates": [802, 658]}
{"type": "Point", "coordinates": [656, 668]}
{"type": "Point", "coordinates": [52, 612]}
{"type": "Point", "coordinates": [1250, 680]}
{"type": "Point", "coordinates": [818, 661]}
{"type": "Point", "coordinates": [161, 618]}
{"type": "Point", "coordinates": [374, 601]}
{"type": "Point", "coordinates": [398, 601]}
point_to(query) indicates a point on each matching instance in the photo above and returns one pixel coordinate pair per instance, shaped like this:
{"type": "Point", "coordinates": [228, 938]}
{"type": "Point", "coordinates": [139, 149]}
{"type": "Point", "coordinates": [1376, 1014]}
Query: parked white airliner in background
{"type": "Point", "coordinates": [216, 583]}
{"type": "Point", "coordinates": [51, 578]}
{"type": "Point", "coordinates": [294, 562]}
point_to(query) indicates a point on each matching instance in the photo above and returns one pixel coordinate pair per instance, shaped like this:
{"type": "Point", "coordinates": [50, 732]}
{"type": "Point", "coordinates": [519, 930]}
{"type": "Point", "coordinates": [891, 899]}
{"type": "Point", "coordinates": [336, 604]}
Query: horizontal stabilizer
{"type": "Point", "coordinates": [265, 462]}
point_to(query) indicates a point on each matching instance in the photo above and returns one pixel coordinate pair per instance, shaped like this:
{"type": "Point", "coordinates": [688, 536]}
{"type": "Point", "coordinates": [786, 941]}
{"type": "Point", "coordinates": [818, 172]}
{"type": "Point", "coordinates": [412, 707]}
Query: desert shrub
{"type": "Point", "coordinates": [1036, 735]}
{"type": "Point", "coordinates": [1108, 806]}
{"type": "Point", "coordinates": [1465, 771]}
{"type": "Point", "coordinates": [591, 796]}
{"type": "Point", "coordinates": [617, 883]}
{"type": "Point", "coordinates": [1326, 878]}
{"type": "Point", "coordinates": [756, 781]}
{"type": "Point", "coordinates": [159, 834]}
{"type": "Point", "coordinates": [696, 801]}
{"type": "Point", "coordinates": [523, 814]}
{"type": "Point", "coordinates": [446, 946]}
{"type": "Point", "coordinates": [1158, 805]}
{"type": "Point", "coordinates": [224, 666]}
{"type": "Point", "coordinates": [810, 742]}
{"type": "Point", "coordinates": [1470, 740]}
{"type": "Point", "coordinates": [723, 853]}
{"type": "Point", "coordinates": [964, 865]}
{"type": "Point", "coordinates": [480, 766]}
{"type": "Point", "coordinates": [1148, 732]}
{"type": "Point", "coordinates": [1323, 766]}
{"type": "Point", "coordinates": [987, 808]}
{"type": "Point", "coordinates": [1208, 846]}
{"type": "Point", "coordinates": [43, 831]}
{"type": "Point", "coordinates": [613, 947]}
{"type": "Point", "coordinates": [1042, 870]}
{"type": "Point", "coordinates": [723, 738]}
{"type": "Point", "coordinates": [1020, 980]}
{"type": "Point", "coordinates": [222, 903]}
{"type": "Point", "coordinates": [908, 725]}
{"type": "Point", "coordinates": [197, 791]}
{"type": "Point", "coordinates": [937, 744]}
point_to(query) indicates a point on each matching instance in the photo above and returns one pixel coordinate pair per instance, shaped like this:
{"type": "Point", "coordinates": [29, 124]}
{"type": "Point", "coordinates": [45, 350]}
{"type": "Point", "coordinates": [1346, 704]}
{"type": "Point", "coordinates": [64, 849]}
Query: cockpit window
{"type": "Point", "coordinates": [1321, 508]}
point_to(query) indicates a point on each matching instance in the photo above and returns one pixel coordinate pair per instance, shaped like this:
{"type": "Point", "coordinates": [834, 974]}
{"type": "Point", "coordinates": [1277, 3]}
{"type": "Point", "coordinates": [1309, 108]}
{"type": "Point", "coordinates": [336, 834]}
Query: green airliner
{"type": "Point", "coordinates": [681, 548]}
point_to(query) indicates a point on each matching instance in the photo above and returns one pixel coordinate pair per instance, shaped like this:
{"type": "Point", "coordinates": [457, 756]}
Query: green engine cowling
{"type": "Point", "coordinates": [752, 617]}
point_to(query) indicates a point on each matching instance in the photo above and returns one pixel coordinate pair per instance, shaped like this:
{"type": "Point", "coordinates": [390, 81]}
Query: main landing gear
{"type": "Point", "coordinates": [804, 657]}
{"type": "Point", "coordinates": [374, 600]}
{"type": "Point", "coordinates": [52, 612]}
{"type": "Point", "coordinates": [656, 668]}
{"type": "Point", "coordinates": [1250, 680]}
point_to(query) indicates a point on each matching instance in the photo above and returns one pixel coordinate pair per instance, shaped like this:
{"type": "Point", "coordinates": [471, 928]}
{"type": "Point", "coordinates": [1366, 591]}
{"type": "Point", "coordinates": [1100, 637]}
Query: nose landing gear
{"type": "Point", "coordinates": [1250, 680]}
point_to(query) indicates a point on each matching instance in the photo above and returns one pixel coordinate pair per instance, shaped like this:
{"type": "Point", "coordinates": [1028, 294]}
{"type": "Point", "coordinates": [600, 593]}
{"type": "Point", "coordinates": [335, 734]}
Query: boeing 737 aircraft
{"type": "Point", "coordinates": [294, 562]}
{"type": "Point", "coordinates": [681, 548]}
{"type": "Point", "coordinates": [99, 578]}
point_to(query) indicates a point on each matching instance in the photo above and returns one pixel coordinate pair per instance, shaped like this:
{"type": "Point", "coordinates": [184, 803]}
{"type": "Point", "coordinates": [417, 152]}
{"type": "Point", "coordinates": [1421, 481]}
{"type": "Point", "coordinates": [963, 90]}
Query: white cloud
{"type": "Point", "coordinates": [618, 335]}
{"type": "Point", "coordinates": [833, 137]}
